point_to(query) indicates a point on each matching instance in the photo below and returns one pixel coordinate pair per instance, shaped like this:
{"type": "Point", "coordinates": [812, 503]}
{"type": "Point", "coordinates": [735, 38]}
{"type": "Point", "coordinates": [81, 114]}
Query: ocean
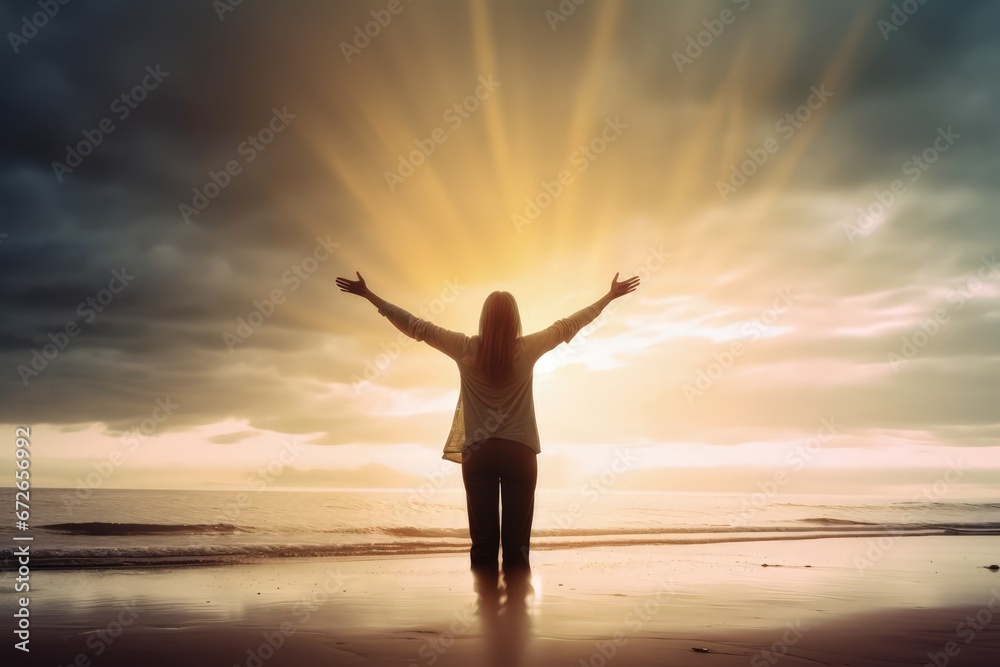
{"type": "Point", "coordinates": [114, 528]}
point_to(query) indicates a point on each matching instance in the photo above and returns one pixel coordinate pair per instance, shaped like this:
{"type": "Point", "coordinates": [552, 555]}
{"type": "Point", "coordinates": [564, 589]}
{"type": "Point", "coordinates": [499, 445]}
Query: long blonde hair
{"type": "Point", "coordinates": [499, 331]}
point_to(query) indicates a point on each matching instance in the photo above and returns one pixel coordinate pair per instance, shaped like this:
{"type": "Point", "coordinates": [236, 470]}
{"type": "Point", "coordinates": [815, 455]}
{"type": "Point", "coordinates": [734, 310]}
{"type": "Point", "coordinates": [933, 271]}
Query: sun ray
{"type": "Point", "coordinates": [838, 77]}
{"type": "Point", "coordinates": [499, 149]}
{"type": "Point", "coordinates": [582, 122]}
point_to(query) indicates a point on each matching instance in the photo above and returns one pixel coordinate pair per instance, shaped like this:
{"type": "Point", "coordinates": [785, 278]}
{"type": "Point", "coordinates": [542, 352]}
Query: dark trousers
{"type": "Point", "coordinates": [491, 468]}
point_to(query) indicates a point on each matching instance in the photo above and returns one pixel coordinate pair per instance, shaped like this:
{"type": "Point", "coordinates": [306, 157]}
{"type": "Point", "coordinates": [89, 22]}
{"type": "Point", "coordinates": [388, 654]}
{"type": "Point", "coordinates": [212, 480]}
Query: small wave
{"type": "Point", "coordinates": [834, 507]}
{"type": "Point", "coordinates": [406, 531]}
{"type": "Point", "coordinates": [957, 505]}
{"type": "Point", "coordinates": [913, 504]}
{"type": "Point", "coordinates": [193, 556]}
{"type": "Point", "coordinates": [463, 533]}
{"type": "Point", "coordinates": [116, 529]}
{"type": "Point", "coordinates": [234, 554]}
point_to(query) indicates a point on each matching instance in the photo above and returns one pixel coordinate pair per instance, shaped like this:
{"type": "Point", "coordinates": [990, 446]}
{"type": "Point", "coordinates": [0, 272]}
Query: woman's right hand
{"type": "Point", "coordinates": [354, 286]}
{"type": "Point", "coordinates": [623, 287]}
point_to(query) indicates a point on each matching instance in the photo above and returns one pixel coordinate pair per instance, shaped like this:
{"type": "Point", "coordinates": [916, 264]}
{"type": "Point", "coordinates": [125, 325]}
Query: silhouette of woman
{"type": "Point", "coordinates": [494, 435]}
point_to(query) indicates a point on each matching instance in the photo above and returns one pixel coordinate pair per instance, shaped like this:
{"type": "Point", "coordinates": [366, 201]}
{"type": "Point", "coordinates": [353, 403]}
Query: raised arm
{"type": "Point", "coordinates": [452, 343]}
{"type": "Point", "coordinates": [563, 331]}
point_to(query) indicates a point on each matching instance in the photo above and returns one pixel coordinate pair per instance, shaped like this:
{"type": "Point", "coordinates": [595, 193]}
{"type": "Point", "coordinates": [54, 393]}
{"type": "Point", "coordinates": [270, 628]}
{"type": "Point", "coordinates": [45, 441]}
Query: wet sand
{"type": "Point", "coordinates": [845, 601]}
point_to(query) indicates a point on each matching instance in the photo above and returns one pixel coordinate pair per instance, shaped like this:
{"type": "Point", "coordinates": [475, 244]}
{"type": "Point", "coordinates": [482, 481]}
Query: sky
{"type": "Point", "coordinates": [806, 189]}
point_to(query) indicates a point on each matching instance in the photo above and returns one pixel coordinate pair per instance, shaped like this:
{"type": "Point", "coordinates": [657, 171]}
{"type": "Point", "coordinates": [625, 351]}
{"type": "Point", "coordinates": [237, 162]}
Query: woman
{"type": "Point", "coordinates": [494, 435]}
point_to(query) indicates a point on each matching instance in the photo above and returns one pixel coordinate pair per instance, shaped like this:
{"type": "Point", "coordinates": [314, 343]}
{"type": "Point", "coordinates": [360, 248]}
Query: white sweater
{"type": "Point", "coordinates": [487, 410]}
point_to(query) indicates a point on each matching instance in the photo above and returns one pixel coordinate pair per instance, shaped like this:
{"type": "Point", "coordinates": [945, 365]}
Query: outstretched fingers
{"type": "Point", "coordinates": [629, 285]}
{"type": "Point", "coordinates": [347, 285]}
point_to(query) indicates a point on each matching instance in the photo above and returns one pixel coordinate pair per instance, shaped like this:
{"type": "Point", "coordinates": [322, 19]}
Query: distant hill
{"type": "Point", "coordinates": [367, 476]}
{"type": "Point", "coordinates": [373, 475]}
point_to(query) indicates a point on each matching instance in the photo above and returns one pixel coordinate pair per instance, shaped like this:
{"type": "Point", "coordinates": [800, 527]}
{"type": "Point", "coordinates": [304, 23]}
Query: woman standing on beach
{"type": "Point", "coordinates": [494, 435]}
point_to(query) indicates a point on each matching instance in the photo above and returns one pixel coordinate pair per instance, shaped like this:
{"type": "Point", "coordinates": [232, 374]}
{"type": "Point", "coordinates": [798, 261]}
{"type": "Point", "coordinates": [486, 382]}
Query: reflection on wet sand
{"type": "Point", "coordinates": [503, 611]}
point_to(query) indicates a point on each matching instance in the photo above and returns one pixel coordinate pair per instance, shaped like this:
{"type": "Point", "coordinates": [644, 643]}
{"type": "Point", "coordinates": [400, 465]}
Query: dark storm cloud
{"type": "Point", "coordinates": [119, 209]}
{"type": "Point", "coordinates": [162, 336]}
{"type": "Point", "coordinates": [934, 71]}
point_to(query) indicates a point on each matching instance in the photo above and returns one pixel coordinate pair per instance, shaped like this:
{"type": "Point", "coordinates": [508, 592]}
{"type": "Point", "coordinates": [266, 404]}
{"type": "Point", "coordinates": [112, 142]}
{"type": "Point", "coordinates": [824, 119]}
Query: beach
{"type": "Point", "coordinates": [834, 601]}
{"type": "Point", "coordinates": [687, 312]}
